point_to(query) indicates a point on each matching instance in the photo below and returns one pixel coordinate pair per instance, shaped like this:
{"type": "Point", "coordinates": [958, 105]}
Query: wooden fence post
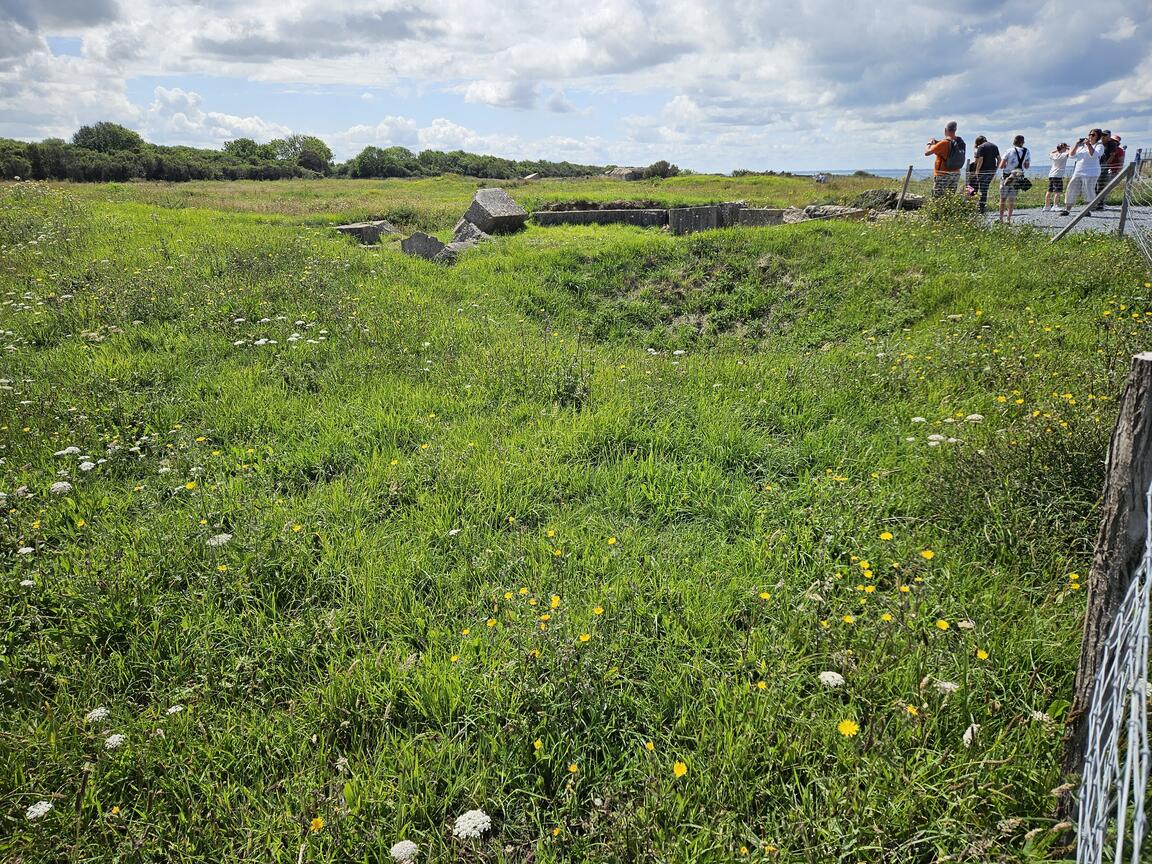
{"type": "Point", "coordinates": [1119, 545]}
{"type": "Point", "coordinates": [904, 190]}
{"type": "Point", "coordinates": [1124, 202]}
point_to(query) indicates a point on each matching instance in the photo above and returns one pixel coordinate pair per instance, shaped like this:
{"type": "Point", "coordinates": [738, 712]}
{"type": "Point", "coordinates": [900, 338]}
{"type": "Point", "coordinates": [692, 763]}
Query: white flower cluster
{"type": "Point", "coordinates": [175, 709]}
{"type": "Point", "coordinates": [471, 824]}
{"type": "Point", "coordinates": [60, 487]}
{"type": "Point", "coordinates": [947, 687]}
{"type": "Point", "coordinates": [113, 742]}
{"type": "Point", "coordinates": [96, 715]}
{"type": "Point", "coordinates": [218, 540]}
{"type": "Point", "coordinates": [405, 852]}
{"type": "Point", "coordinates": [831, 679]}
{"type": "Point", "coordinates": [38, 810]}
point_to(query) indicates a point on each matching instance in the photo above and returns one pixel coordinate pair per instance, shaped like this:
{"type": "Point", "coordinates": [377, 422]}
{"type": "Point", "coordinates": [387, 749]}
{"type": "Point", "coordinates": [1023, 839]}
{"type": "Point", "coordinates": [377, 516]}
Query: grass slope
{"type": "Point", "coordinates": [566, 532]}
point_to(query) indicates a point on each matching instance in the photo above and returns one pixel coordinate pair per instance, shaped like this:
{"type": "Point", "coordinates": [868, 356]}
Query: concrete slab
{"type": "Point", "coordinates": [688, 220]}
{"type": "Point", "coordinates": [761, 216]}
{"type": "Point", "coordinates": [641, 218]}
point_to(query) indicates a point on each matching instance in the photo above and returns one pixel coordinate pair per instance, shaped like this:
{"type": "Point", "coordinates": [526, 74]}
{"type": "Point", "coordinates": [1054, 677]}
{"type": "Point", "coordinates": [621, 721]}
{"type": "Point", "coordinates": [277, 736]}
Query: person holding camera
{"type": "Point", "coordinates": [1086, 154]}
{"type": "Point", "coordinates": [1059, 159]}
{"type": "Point", "coordinates": [1015, 162]}
{"type": "Point", "coordinates": [950, 160]}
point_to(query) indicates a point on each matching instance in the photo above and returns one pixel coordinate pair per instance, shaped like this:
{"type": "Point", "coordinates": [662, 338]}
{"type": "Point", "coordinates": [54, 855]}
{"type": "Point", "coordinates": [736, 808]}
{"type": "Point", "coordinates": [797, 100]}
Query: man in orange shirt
{"type": "Point", "coordinates": [950, 159]}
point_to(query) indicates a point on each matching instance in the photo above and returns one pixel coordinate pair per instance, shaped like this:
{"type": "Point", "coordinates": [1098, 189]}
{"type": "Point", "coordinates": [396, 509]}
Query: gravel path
{"type": "Point", "coordinates": [1107, 220]}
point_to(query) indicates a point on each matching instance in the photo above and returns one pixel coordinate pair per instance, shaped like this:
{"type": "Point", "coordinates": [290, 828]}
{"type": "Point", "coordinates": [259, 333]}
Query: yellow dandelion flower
{"type": "Point", "coordinates": [545, 617]}
{"type": "Point", "coordinates": [491, 622]}
{"type": "Point", "coordinates": [761, 685]}
{"type": "Point", "coordinates": [531, 601]}
{"type": "Point", "coordinates": [743, 850]}
{"type": "Point", "coordinates": [611, 541]}
{"type": "Point", "coordinates": [649, 746]}
{"type": "Point", "coordinates": [913, 710]}
{"type": "Point", "coordinates": [941, 624]}
{"type": "Point", "coordinates": [555, 602]}
{"type": "Point", "coordinates": [394, 462]}
{"type": "Point", "coordinates": [550, 533]}
{"type": "Point", "coordinates": [223, 568]}
{"type": "Point", "coordinates": [537, 744]}
{"type": "Point", "coordinates": [556, 553]}
{"type": "Point", "coordinates": [764, 595]}
{"type": "Point", "coordinates": [904, 589]}
{"type": "Point", "coordinates": [848, 619]}
{"type": "Point", "coordinates": [296, 529]}
{"type": "Point", "coordinates": [679, 770]}
{"type": "Point", "coordinates": [200, 439]}
{"type": "Point", "coordinates": [824, 623]}
{"type": "Point", "coordinates": [584, 637]}
{"type": "Point", "coordinates": [455, 658]}
{"type": "Point", "coordinates": [523, 591]}
{"type": "Point", "coordinates": [316, 825]}
{"type": "Point", "coordinates": [886, 617]}
{"type": "Point", "coordinates": [927, 554]}
{"type": "Point", "coordinates": [981, 654]}
{"type": "Point", "coordinates": [507, 595]}
{"type": "Point", "coordinates": [573, 768]}
{"type": "Point", "coordinates": [1072, 577]}
{"type": "Point", "coordinates": [599, 610]}
{"type": "Point", "coordinates": [115, 811]}
{"type": "Point", "coordinates": [191, 484]}
{"type": "Point", "coordinates": [465, 631]}
{"type": "Point", "coordinates": [848, 728]}
{"type": "Point", "coordinates": [556, 831]}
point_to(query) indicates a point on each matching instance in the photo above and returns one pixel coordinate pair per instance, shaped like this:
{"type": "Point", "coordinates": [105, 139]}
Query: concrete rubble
{"type": "Point", "coordinates": [494, 212]}
{"type": "Point", "coordinates": [368, 233]}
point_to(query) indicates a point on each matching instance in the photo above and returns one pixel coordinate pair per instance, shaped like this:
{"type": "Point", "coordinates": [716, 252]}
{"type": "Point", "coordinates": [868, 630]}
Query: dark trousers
{"type": "Point", "coordinates": [983, 181]}
{"type": "Point", "coordinates": [945, 184]}
{"type": "Point", "coordinates": [1101, 182]}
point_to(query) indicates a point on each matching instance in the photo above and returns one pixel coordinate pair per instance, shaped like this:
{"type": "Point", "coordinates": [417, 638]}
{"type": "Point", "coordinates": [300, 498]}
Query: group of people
{"type": "Point", "coordinates": [1096, 158]}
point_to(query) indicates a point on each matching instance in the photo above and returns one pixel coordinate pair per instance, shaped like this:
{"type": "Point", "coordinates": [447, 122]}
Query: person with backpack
{"type": "Point", "coordinates": [1015, 162]}
{"type": "Point", "coordinates": [986, 162]}
{"type": "Point", "coordinates": [951, 155]}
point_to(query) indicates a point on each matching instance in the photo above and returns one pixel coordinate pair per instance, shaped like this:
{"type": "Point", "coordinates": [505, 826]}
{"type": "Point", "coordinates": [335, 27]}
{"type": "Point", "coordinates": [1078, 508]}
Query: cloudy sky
{"type": "Point", "coordinates": [709, 85]}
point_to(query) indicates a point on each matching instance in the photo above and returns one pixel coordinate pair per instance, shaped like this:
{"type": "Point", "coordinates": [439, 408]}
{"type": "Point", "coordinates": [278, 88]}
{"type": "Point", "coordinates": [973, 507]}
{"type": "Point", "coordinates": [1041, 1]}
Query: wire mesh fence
{"type": "Point", "coordinates": [1111, 817]}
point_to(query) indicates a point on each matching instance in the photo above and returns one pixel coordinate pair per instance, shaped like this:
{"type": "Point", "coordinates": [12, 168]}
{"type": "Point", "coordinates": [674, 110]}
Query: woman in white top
{"type": "Point", "coordinates": [1086, 154]}
{"type": "Point", "coordinates": [1059, 158]}
{"type": "Point", "coordinates": [1015, 160]}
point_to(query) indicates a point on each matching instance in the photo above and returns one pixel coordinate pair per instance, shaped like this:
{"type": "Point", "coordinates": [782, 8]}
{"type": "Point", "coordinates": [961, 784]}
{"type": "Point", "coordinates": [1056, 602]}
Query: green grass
{"type": "Point", "coordinates": [469, 449]}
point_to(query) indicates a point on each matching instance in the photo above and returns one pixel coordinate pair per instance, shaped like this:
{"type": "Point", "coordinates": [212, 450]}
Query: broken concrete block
{"type": "Point", "coordinates": [729, 214]}
{"type": "Point", "coordinates": [688, 220]}
{"type": "Point", "coordinates": [422, 246]}
{"type": "Point", "coordinates": [368, 232]}
{"type": "Point", "coordinates": [451, 252]}
{"type": "Point", "coordinates": [465, 230]}
{"type": "Point", "coordinates": [640, 218]}
{"type": "Point", "coordinates": [494, 212]}
{"type": "Point", "coordinates": [760, 216]}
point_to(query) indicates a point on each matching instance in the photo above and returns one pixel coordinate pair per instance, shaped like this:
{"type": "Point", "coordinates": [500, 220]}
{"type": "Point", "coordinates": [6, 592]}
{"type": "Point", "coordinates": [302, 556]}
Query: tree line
{"type": "Point", "coordinates": [106, 152]}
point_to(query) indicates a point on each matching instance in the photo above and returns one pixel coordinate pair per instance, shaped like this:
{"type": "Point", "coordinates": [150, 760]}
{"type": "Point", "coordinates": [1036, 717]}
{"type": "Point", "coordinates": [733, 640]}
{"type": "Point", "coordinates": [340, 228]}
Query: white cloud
{"type": "Point", "coordinates": [175, 116]}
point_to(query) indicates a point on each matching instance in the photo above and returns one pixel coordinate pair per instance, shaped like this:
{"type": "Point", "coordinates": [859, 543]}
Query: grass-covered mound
{"type": "Point", "coordinates": [352, 543]}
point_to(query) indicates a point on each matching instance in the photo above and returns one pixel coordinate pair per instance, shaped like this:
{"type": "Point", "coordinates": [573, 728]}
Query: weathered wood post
{"type": "Point", "coordinates": [1119, 545]}
{"type": "Point", "coordinates": [1124, 175]}
{"type": "Point", "coordinates": [1124, 201]}
{"type": "Point", "coordinates": [904, 190]}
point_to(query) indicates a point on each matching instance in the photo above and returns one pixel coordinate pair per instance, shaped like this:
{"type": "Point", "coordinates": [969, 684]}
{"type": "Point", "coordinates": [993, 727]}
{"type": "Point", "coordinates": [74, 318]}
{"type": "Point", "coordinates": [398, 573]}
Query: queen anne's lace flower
{"type": "Point", "coordinates": [218, 540]}
{"type": "Point", "coordinates": [405, 852]}
{"type": "Point", "coordinates": [96, 715]}
{"type": "Point", "coordinates": [38, 810]}
{"type": "Point", "coordinates": [68, 451]}
{"type": "Point", "coordinates": [114, 741]}
{"type": "Point", "coordinates": [947, 686]}
{"type": "Point", "coordinates": [471, 824]}
{"type": "Point", "coordinates": [87, 466]}
{"type": "Point", "coordinates": [831, 679]}
{"type": "Point", "coordinates": [60, 487]}
{"type": "Point", "coordinates": [175, 709]}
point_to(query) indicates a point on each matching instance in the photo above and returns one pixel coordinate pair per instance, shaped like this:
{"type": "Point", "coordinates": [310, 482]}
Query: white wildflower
{"type": "Point", "coordinates": [87, 466]}
{"type": "Point", "coordinates": [970, 734]}
{"type": "Point", "coordinates": [96, 715]}
{"type": "Point", "coordinates": [453, 532]}
{"type": "Point", "coordinates": [933, 443]}
{"type": "Point", "coordinates": [471, 824]}
{"type": "Point", "coordinates": [947, 686]}
{"type": "Point", "coordinates": [114, 741]}
{"type": "Point", "coordinates": [1041, 717]}
{"type": "Point", "coordinates": [974, 418]}
{"type": "Point", "coordinates": [27, 583]}
{"type": "Point", "coordinates": [405, 852]}
{"type": "Point", "coordinates": [966, 625]}
{"type": "Point", "coordinates": [919, 420]}
{"type": "Point", "coordinates": [937, 437]}
{"type": "Point", "coordinates": [218, 540]}
{"type": "Point", "coordinates": [38, 810]}
{"type": "Point", "coordinates": [175, 709]}
{"type": "Point", "coordinates": [67, 451]}
{"type": "Point", "coordinates": [831, 679]}
{"type": "Point", "coordinates": [25, 550]}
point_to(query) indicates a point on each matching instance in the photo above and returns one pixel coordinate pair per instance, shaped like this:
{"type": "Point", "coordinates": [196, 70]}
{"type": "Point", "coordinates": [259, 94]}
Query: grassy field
{"type": "Point", "coordinates": [344, 544]}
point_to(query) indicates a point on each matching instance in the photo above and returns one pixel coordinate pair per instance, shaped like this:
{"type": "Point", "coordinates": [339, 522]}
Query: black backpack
{"type": "Point", "coordinates": [957, 155]}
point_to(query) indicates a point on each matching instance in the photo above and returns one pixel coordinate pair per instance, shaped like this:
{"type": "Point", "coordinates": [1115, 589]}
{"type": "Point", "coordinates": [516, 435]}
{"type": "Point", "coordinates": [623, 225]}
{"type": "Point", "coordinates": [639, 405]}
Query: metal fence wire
{"type": "Point", "coordinates": [1111, 818]}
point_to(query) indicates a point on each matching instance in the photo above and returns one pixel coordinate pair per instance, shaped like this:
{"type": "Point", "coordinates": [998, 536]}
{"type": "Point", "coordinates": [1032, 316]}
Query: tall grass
{"type": "Point", "coordinates": [523, 534]}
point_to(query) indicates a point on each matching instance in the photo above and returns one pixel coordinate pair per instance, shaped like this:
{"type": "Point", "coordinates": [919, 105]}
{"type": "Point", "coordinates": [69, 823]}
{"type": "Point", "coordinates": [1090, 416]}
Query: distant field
{"type": "Point", "coordinates": [572, 532]}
